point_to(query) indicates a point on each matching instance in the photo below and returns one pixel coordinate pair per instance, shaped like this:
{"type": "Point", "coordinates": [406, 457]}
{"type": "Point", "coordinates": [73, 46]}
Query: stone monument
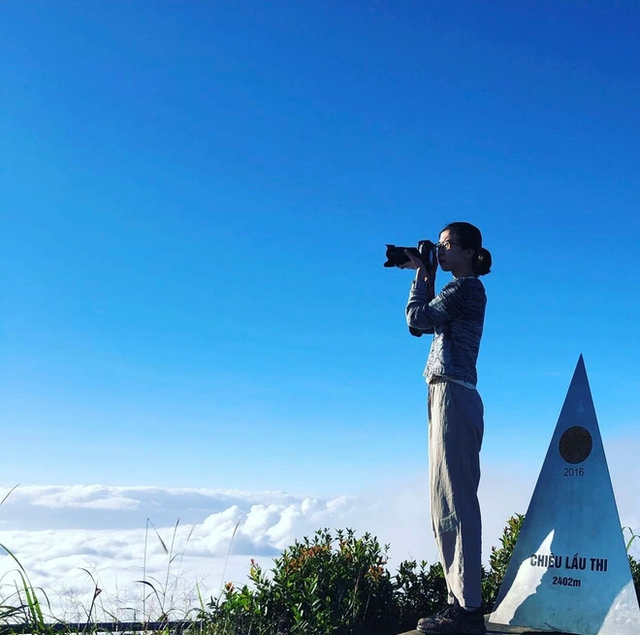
{"type": "Point", "coordinates": [570, 571]}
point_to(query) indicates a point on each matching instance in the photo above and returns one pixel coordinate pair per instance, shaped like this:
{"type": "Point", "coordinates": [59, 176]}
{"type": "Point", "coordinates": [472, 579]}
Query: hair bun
{"type": "Point", "coordinates": [483, 264]}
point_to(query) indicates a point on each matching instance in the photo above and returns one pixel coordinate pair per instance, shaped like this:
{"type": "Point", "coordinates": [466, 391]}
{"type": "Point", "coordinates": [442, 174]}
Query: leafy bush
{"type": "Point", "coordinates": [499, 561]}
{"type": "Point", "coordinates": [330, 585]}
{"type": "Point", "coordinates": [417, 592]}
{"type": "Point", "coordinates": [340, 585]}
{"type": "Point", "coordinates": [635, 574]}
{"type": "Point", "coordinates": [633, 563]}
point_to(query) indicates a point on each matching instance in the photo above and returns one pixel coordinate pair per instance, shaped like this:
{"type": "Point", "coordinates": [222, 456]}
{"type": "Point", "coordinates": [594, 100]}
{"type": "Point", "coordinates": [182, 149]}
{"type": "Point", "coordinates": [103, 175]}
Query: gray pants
{"type": "Point", "coordinates": [456, 426]}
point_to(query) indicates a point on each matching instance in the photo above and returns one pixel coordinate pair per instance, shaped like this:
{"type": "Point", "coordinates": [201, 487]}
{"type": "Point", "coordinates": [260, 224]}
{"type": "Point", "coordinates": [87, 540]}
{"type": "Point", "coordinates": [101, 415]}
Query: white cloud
{"type": "Point", "coordinates": [58, 535]}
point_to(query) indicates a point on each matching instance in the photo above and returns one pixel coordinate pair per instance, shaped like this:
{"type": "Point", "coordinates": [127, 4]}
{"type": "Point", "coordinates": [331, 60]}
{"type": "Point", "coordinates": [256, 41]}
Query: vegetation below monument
{"type": "Point", "coordinates": [339, 584]}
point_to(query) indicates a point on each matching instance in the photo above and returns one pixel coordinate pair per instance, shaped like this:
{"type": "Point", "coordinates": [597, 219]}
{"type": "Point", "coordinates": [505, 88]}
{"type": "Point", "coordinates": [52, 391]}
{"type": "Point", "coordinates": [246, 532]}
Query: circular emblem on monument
{"type": "Point", "coordinates": [575, 444]}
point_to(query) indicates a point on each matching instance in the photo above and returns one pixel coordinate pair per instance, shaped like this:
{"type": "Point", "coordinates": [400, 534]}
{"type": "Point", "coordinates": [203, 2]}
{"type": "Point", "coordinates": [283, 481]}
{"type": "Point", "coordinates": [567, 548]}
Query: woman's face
{"type": "Point", "coordinates": [451, 256]}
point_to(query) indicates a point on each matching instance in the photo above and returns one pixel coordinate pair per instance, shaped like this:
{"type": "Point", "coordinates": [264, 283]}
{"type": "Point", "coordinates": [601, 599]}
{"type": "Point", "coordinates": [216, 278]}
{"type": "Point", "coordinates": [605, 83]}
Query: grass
{"type": "Point", "coordinates": [23, 605]}
{"type": "Point", "coordinates": [28, 608]}
{"type": "Point", "coordinates": [164, 593]}
{"type": "Point", "coordinates": [28, 604]}
{"type": "Point", "coordinates": [632, 537]}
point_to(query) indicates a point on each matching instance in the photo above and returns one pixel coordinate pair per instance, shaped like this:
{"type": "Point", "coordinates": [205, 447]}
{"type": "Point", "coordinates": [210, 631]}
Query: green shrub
{"type": "Point", "coordinates": [499, 561]}
{"type": "Point", "coordinates": [330, 585]}
{"type": "Point", "coordinates": [635, 574]}
{"type": "Point", "coordinates": [340, 585]}
{"type": "Point", "coordinates": [417, 593]}
{"type": "Point", "coordinates": [633, 563]}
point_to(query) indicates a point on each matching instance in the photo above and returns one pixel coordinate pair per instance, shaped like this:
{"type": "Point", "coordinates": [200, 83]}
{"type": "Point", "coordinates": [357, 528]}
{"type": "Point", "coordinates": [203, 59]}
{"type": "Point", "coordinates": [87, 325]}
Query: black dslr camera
{"type": "Point", "coordinates": [425, 250]}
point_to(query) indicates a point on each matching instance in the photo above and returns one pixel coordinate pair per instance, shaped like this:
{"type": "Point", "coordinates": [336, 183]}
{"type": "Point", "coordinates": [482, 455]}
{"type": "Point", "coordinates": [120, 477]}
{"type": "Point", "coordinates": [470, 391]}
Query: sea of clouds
{"type": "Point", "coordinates": [188, 542]}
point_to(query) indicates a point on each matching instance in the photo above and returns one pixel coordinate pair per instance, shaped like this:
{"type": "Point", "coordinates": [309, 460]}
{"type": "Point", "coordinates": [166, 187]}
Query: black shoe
{"type": "Point", "coordinates": [454, 620]}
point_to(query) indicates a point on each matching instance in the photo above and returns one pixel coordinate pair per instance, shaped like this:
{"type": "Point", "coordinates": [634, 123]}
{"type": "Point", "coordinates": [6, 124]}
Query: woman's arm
{"type": "Point", "coordinates": [424, 311]}
{"type": "Point", "coordinates": [422, 291]}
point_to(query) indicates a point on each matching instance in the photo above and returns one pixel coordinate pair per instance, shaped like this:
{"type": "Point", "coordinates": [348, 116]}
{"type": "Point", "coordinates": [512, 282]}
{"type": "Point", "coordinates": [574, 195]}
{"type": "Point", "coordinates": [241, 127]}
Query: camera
{"type": "Point", "coordinates": [425, 250]}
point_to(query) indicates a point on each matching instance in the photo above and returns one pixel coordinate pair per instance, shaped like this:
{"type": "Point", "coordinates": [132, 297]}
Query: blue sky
{"type": "Point", "coordinates": [196, 197]}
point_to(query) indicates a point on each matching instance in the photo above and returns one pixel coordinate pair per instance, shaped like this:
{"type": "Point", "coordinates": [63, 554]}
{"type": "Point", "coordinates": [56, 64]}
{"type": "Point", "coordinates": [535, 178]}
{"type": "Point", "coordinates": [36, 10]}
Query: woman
{"type": "Point", "coordinates": [455, 317]}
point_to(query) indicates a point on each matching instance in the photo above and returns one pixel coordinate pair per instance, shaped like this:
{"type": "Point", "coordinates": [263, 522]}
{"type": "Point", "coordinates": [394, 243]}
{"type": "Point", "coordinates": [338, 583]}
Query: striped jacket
{"type": "Point", "coordinates": [455, 317]}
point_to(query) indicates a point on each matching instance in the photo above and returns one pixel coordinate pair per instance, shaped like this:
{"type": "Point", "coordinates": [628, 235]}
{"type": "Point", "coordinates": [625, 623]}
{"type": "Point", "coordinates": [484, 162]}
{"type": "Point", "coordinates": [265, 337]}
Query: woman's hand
{"type": "Point", "coordinates": [422, 273]}
{"type": "Point", "coordinates": [417, 264]}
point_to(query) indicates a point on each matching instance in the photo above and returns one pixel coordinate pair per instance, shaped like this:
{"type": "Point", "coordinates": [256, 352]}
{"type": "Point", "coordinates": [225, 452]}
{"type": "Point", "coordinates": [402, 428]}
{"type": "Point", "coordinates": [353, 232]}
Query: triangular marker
{"type": "Point", "coordinates": [570, 571]}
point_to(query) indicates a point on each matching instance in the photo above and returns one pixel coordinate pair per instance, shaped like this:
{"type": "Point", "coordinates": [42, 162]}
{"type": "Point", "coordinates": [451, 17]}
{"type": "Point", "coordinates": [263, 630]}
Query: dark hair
{"type": "Point", "coordinates": [471, 238]}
